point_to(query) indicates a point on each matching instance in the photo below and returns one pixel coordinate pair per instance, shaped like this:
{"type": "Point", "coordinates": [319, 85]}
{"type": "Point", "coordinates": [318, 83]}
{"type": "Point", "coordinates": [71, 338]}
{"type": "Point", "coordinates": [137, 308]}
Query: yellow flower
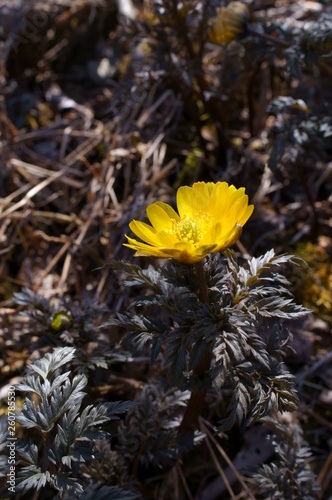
{"type": "Point", "coordinates": [230, 22]}
{"type": "Point", "coordinates": [210, 219]}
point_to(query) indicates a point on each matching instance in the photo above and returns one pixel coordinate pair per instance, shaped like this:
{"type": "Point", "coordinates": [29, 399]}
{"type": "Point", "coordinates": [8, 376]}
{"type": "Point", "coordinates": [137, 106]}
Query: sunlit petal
{"type": "Point", "coordinates": [237, 209]}
{"type": "Point", "coordinates": [200, 197]}
{"type": "Point", "coordinates": [229, 239]}
{"type": "Point", "coordinates": [142, 248]}
{"type": "Point", "coordinates": [168, 209]}
{"type": "Point", "coordinates": [158, 217]}
{"type": "Point", "coordinates": [167, 238]}
{"type": "Point", "coordinates": [143, 231]}
{"type": "Point", "coordinates": [246, 215]}
{"type": "Point", "coordinates": [184, 201]}
{"type": "Point", "coordinates": [213, 234]}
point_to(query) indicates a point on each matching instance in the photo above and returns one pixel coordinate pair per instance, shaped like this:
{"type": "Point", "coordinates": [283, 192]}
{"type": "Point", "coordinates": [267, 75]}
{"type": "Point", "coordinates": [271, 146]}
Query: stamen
{"type": "Point", "coordinates": [188, 229]}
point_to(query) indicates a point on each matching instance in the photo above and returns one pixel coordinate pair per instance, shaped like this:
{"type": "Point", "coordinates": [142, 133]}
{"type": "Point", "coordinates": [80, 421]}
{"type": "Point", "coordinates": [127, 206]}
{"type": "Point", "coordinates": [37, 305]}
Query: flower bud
{"type": "Point", "coordinates": [230, 22]}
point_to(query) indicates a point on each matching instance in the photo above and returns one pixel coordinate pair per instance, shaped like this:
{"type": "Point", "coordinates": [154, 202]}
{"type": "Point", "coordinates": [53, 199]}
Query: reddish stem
{"type": "Point", "coordinates": [197, 399]}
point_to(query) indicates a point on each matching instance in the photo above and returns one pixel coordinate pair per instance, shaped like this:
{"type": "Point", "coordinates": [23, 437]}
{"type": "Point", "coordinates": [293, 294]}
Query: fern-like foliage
{"type": "Point", "coordinates": [150, 432]}
{"type": "Point", "coordinates": [67, 323]}
{"type": "Point", "coordinates": [3, 446]}
{"type": "Point", "coordinates": [242, 328]}
{"type": "Point", "coordinates": [112, 470]}
{"type": "Point", "coordinates": [311, 40]}
{"type": "Point", "coordinates": [289, 476]}
{"type": "Point", "coordinates": [297, 132]}
{"type": "Point", "coordinates": [63, 430]}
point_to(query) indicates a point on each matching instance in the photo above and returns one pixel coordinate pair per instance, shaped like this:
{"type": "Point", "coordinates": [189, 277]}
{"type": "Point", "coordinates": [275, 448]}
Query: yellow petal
{"type": "Point", "coordinates": [246, 215]}
{"type": "Point", "coordinates": [184, 201]}
{"type": "Point", "coordinates": [229, 239]}
{"type": "Point", "coordinates": [212, 187]}
{"type": "Point", "coordinates": [239, 193]}
{"type": "Point", "coordinates": [183, 256]}
{"type": "Point", "coordinates": [167, 238]}
{"type": "Point", "coordinates": [200, 197]}
{"type": "Point", "coordinates": [205, 249]}
{"type": "Point", "coordinates": [240, 211]}
{"type": "Point", "coordinates": [213, 234]}
{"type": "Point", "coordinates": [238, 208]}
{"type": "Point", "coordinates": [233, 193]}
{"type": "Point", "coordinates": [158, 217]}
{"type": "Point", "coordinates": [143, 231]}
{"type": "Point", "coordinates": [168, 209]}
{"type": "Point", "coordinates": [222, 201]}
{"type": "Point", "coordinates": [187, 254]}
{"type": "Point", "coordinates": [142, 248]}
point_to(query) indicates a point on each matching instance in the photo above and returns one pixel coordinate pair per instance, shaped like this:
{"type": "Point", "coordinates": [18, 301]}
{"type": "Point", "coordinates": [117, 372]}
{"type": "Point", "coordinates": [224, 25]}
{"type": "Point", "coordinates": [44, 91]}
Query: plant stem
{"type": "Point", "coordinates": [203, 292]}
{"type": "Point", "coordinates": [197, 399]}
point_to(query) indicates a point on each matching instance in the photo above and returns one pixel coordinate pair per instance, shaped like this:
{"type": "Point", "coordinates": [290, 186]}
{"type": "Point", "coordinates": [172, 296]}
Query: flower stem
{"type": "Point", "coordinates": [196, 401]}
{"type": "Point", "coordinates": [203, 292]}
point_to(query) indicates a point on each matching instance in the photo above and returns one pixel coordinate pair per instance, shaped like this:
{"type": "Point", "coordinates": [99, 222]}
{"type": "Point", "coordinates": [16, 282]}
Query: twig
{"type": "Point", "coordinates": [50, 266]}
{"type": "Point", "coordinates": [33, 191]}
{"type": "Point", "coordinates": [325, 475]}
{"type": "Point", "coordinates": [268, 38]}
{"type": "Point", "coordinates": [318, 364]}
{"type": "Point", "coordinates": [215, 460]}
{"type": "Point", "coordinates": [227, 459]}
{"type": "Point", "coordinates": [184, 482]}
{"type": "Point", "coordinates": [318, 417]}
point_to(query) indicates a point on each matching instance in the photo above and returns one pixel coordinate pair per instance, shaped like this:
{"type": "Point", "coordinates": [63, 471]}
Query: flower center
{"type": "Point", "coordinates": [188, 229]}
